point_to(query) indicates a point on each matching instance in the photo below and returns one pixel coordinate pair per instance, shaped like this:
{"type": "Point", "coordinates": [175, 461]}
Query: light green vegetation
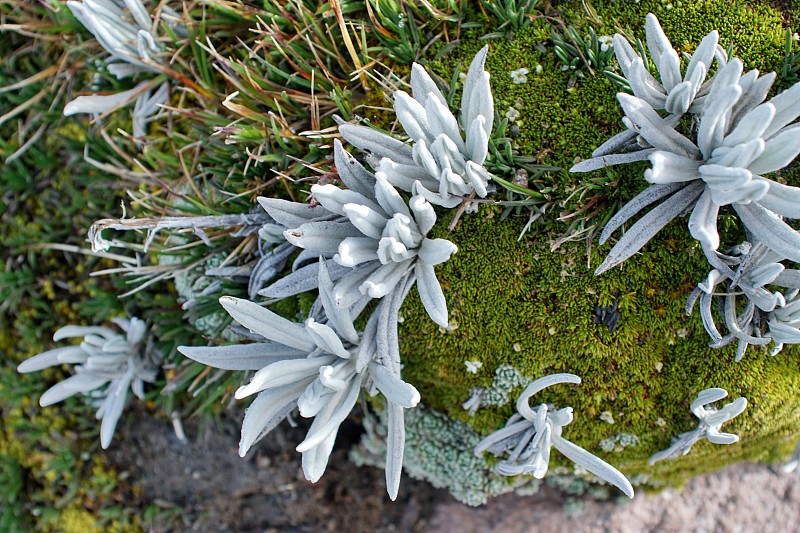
{"type": "Point", "coordinates": [439, 450]}
{"type": "Point", "coordinates": [514, 303]}
{"type": "Point", "coordinates": [52, 477]}
{"type": "Point", "coordinates": [521, 303]}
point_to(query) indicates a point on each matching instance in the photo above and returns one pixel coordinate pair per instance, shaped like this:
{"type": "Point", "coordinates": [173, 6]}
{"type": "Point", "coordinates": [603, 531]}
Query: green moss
{"type": "Point", "coordinates": [520, 303]}
{"type": "Point", "coordinates": [556, 123]}
{"type": "Point", "coordinates": [753, 27]}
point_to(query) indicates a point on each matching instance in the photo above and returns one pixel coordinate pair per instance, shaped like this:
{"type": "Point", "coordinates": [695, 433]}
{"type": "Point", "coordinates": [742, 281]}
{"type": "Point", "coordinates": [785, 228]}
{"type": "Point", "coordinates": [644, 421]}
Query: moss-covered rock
{"type": "Point", "coordinates": [521, 304]}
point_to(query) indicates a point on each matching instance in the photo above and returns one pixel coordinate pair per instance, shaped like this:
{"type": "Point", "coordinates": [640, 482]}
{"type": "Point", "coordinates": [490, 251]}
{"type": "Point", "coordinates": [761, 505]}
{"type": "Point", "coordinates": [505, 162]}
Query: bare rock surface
{"type": "Point", "coordinates": [740, 498]}
{"type": "Point", "coordinates": [202, 484]}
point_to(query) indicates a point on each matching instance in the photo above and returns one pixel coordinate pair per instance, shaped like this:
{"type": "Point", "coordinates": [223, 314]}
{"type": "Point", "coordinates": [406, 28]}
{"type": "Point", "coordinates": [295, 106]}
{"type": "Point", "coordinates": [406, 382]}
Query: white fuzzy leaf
{"type": "Point", "coordinates": [779, 151]}
{"type": "Point", "coordinates": [441, 122]}
{"type": "Point", "coordinates": [610, 160]}
{"type": "Point", "coordinates": [292, 214]}
{"type": "Point", "coordinates": [395, 447]}
{"type": "Point", "coordinates": [392, 387]}
{"type": "Point", "coordinates": [436, 251]}
{"type": "Point", "coordinates": [716, 118]}
{"type": "Point", "coordinates": [376, 143]}
{"type": "Point", "coordinates": [114, 404]}
{"type": "Point", "coordinates": [412, 116]}
{"type": "Point", "coordinates": [751, 126]}
{"type": "Point", "coordinates": [83, 382]}
{"type": "Point", "coordinates": [326, 338]}
{"type": "Point", "coordinates": [322, 237]}
{"type": "Point", "coordinates": [404, 176]}
{"type": "Point", "coordinates": [471, 87]}
{"type": "Point", "coordinates": [339, 318]}
{"type": "Point", "coordinates": [352, 173]}
{"type": "Point", "coordinates": [334, 199]}
{"type": "Point", "coordinates": [268, 324]}
{"type": "Point", "coordinates": [787, 109]}
{"type": "Point", "coordinates": [703, 221]}
{"type": "Point", "coordinates": [267, 411]}
{"type": "Point", "coordinates": [614, 144]}
{"type": "Point", "coordinates": [655, 129]}
{"type": "Point", "coordinates": [284, 373]}
{"type": "Point", "coordinates": [98, 104]}
{"type": "Point", "coordinates": [430, 293]}
{"type": "Point", "coordinates": [645, 86]}
{"type": "Point", "coordinates": [366, 220]}
{"type": "Point", "coordinates": [671, 168]}
{"type": "Point", "coordinates": [388, 197]}
{"type": "Point", "coordinates": [771, 230]}
{"type": "Point", "coordinates": [593, 464]}
{"type": "Point", "coordinates": [354, 251]}
{"type": "Point", "coordinates": [384, 279]}
{"type": "Point", "coordinates": [81, 331]}
{"type": "Point", "coordinates": [327, 422]}
{"type": "Point", "coordinates": [423, 85]}
{"type": "Point", "coordinates": [782, 199]}
{"type": "Point", "coordinates": [241, 356]}
{"type": "Point", "coordinates": [477, 141]}
{"type": "Point", "coordinates": [57, 356]}
{"type": "Point", "coordinates": [650, 224]}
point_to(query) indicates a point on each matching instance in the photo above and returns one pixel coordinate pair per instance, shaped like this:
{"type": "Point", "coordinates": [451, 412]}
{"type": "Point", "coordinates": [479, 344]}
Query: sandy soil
{"type": "Point", "coordinates": [205, 482]}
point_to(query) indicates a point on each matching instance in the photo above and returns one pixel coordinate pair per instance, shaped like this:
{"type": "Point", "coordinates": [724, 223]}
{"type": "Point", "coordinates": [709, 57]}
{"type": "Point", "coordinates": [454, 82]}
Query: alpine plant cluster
{"type": "Point", "coordinates": [107, 364]}
{"type": "Point", "coordinates": [530, 433]}
{"type": "Point", "coordinates": [710, 141]}
{"type": "Point", "coordinates": [710, 418]}
{"type": "Point", "coordinates": [134, 50]}
{"type": "Point", "coordinates": [358, 243]}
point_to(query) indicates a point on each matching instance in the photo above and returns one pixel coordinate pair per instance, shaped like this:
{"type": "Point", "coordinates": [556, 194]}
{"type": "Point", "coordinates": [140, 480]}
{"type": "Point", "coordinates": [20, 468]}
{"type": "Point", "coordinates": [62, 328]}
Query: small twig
{"type": "Point", "coordinates": [348, 43]}
{"type": "Point", "coordinates": [31, 79]}
{"type": "Point", "coordinates": [461, 208]}
{"type": "Point", "coordinates": [178, 427]}
{"type": "Point", "coordinates": [153, 225]}
{"type": "Point", "coordinates": [77, 250]}
{"type": "Point", "coordinates": [27, 145]}
{"type": "Point", "coordinates": [24, 105]}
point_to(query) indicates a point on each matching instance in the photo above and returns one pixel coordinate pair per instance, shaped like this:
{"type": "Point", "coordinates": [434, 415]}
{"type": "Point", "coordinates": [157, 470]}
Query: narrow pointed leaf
{"type": "Point", "coordinates": [351, 172]}
{"type": "Point", "coordinates": [292, 214]}
{"type": "Point", "coordinates": [284, 373]}
{"type": "Point", "coordinates": [395, 447]}
{"type": "Point", "coordinates": [339, 318]}
{"type": "Point", "coordinates": [266, 412]}
{"type": "Point", "coordinates": [655, 129]}
{"type": "Point", "coordinates": [771, 230]}
{"type": "Point", "coordinates": [252, 356]}
{"type": "Point", "coordinates": [430, 293]}
{"type": "Point", "coordinates": [610, 160]}
{"type": "Point", "coordinates": [593, 464]}
{"type": "Point", "coordinates": [423, 85]}
{"type": "Point", "coordinates": [376, 143]}
{"type": "Point", "coordinates": [268, 324]}
{"type": "Point", "coordinates": [57, 356]}
{"type": "Point", "coordinates": [650, 224]}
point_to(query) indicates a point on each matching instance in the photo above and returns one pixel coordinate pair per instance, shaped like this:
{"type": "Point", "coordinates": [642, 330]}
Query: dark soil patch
{"type": "Point", "coordinates": [208, 487]}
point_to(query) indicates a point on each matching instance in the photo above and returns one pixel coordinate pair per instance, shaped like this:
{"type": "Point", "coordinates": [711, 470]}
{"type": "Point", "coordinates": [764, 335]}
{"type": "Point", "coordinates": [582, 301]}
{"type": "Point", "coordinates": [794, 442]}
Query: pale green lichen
{"type": "Point", "coordinates": [190, 284]}
{"type": "Point", "coordinates": [506, 379]}
{"type": "Point", "coordinates": [439, 450]}
{"type": "Point", "coordinates": [617, 443]}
